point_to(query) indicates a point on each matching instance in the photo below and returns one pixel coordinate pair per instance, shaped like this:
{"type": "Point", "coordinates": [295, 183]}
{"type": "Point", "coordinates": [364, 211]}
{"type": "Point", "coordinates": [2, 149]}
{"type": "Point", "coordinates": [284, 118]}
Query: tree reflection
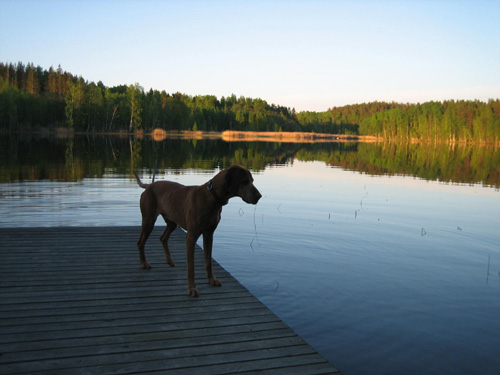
{"type": "Point", "coordinates": [32, 158]}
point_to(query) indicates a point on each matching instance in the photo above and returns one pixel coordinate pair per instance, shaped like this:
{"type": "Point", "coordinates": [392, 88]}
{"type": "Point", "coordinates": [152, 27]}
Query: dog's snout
{"type": "Point", "coordinates": [258, 195]}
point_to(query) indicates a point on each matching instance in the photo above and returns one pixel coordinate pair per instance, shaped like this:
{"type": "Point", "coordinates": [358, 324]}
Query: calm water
{"type": "Point", "coordinates": [381, 273]}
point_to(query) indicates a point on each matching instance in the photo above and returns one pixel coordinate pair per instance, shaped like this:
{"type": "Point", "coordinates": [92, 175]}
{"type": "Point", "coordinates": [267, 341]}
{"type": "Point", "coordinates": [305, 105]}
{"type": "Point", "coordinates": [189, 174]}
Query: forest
{"type": "Point", "coordinates": [33, 98]}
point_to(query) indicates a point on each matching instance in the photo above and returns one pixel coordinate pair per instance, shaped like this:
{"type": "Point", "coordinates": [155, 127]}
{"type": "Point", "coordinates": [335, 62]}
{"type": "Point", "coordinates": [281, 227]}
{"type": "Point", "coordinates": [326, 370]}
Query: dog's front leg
{"type": "Point", "coordinates": [208, 239]}
{"type": "Point", "coordinates": [190, 244]}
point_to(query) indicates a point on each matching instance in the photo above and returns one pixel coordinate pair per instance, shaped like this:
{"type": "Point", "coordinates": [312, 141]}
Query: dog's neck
{"type": "Point", "coordinates": [218, 199]}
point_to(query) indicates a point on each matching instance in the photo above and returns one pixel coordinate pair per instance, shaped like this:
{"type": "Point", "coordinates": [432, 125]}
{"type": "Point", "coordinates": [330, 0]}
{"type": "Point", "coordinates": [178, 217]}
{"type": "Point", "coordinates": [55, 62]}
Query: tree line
{"type": "Point", "coordinates": [33, 97]}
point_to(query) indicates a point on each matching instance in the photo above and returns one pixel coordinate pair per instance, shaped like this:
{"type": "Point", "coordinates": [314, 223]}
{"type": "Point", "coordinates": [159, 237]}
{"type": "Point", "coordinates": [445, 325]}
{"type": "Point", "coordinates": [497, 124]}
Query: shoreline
{"type": "Point", "coordinates": [227, 136]}
{"type": "Point", "coordinates": [293, 137]}
{"type": "Point", "coordinates": [159, 135]}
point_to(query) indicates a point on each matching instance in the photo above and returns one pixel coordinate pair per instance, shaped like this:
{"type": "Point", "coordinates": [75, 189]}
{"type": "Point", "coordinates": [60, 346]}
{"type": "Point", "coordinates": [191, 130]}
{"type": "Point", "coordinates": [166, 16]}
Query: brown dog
{"type": "Point", "coordinates": [197, 209]}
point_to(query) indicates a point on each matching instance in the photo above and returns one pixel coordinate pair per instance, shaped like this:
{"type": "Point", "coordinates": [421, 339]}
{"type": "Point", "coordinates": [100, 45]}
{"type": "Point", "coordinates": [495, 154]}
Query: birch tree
{"type": "Point", "coordinates": [135, 94]}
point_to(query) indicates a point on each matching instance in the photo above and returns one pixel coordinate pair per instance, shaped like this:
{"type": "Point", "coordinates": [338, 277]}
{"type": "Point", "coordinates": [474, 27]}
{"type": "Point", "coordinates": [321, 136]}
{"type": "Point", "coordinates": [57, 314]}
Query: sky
{"type": "Point", "coordinates": [308, 55]}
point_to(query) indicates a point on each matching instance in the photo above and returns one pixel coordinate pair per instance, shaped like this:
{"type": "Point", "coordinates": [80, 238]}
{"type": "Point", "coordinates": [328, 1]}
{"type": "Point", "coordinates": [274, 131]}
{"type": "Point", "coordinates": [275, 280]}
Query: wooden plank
{"type": "Point", "coordinates": [151, 341]}
{"type": "Point", "coordinates": [74, 301]}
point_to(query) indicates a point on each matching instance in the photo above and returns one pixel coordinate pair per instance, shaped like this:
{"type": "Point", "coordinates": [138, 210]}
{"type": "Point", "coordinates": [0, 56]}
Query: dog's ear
{"type": "Point", "coordinates": [232, 178]}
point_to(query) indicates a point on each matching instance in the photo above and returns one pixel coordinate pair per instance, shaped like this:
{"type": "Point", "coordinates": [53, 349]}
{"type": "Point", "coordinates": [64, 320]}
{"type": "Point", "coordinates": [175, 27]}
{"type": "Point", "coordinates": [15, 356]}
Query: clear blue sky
{"type": "Point", "coordinates": [310, 55]}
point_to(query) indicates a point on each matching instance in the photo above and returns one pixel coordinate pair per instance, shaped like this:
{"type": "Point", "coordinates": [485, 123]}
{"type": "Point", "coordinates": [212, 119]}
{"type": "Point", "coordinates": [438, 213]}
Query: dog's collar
{"type": "Point", "coordinates": [218, 199]}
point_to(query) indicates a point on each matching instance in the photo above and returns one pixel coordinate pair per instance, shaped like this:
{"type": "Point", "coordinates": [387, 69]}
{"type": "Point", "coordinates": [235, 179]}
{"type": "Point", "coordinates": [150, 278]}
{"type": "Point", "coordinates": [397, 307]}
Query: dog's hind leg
{"type": "Point", "coordinates": [146, 230]}
{"type": "Point", "coordinates": [149, 215]}
{"type": "Point", "coordinates": [164, 240]}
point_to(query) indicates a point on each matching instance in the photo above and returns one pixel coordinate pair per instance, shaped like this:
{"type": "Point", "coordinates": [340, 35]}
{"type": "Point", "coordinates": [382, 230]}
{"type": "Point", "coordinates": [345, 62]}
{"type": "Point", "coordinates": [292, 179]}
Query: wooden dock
{"type": "Point", "coordinates": [74, 301]}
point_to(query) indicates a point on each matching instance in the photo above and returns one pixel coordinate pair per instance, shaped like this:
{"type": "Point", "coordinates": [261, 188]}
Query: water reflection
{"type": "Point", "coordinates": [38, 158]}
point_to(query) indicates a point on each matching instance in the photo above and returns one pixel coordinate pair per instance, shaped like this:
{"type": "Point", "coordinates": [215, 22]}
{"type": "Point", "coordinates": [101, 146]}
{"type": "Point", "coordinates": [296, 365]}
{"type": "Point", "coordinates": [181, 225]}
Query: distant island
{"type": "Point", "coordinates": [33, 98]}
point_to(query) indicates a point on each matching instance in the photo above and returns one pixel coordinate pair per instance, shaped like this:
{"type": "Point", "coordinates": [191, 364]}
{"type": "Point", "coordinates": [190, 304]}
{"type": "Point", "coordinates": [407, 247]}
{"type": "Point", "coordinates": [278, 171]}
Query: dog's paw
{"type": "Point", "coordinates": [214, 282]}
{"type": "Point", "coordinates": [193, 292]}
{"type": "Point", "coordinates": [145, 266]}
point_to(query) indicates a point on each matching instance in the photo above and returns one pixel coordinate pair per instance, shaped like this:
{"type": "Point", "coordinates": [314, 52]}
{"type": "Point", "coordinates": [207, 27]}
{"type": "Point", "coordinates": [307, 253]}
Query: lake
{"type": "Point", "coordinates": [384, 257]}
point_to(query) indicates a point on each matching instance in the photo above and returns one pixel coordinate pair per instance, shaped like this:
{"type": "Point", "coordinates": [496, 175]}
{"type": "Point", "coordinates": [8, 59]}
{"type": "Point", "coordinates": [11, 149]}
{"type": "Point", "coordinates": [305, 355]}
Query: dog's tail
{"type": "Point", "coordinates": [141, 184]}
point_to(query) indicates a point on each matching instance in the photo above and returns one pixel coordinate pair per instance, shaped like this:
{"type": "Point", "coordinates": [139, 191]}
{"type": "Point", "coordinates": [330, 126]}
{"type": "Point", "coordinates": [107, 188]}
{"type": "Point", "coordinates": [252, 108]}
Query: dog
{"type": "Point", "coordinates": [196, 209]}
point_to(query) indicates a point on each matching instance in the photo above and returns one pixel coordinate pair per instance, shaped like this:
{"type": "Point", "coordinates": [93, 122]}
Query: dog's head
{"type": "Point", "coordinates": [239, 182]}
